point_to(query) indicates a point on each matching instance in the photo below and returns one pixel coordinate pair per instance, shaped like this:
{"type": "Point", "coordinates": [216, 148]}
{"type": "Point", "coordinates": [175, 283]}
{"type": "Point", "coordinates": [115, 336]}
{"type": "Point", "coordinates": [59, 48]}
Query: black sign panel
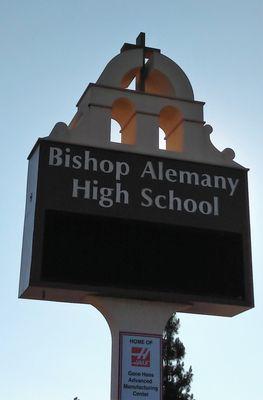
{"type": "Point", "coordinates": [121, 224]}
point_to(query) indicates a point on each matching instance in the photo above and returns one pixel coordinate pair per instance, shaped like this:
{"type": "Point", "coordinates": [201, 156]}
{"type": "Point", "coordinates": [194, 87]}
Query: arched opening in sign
{"type": "Point", "coordinates": [115, 131]}
{"type": "Point", "coordinates": [171, 122]}
{"type": "Point", "coordinates": [129, 79]}
{"type": "Point", "coordinates": [162, 141]}
{"type": "Point", "coordinates": [154, 81]}
{"type": "Point", "coordinates": [132, 85]}
{"type": "Point", "coordinates": [123, 113]}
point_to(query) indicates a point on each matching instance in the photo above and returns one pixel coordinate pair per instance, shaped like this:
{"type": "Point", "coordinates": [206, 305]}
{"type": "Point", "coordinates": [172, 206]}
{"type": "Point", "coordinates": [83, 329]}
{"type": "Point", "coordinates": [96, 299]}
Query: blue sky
{"type": "Point", "coordinates": [50, 51]}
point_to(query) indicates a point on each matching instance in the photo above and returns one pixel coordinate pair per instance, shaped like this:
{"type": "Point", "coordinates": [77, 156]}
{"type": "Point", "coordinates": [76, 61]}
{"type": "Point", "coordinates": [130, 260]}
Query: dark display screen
{"type": "Point", "coordinates": [135, 255]}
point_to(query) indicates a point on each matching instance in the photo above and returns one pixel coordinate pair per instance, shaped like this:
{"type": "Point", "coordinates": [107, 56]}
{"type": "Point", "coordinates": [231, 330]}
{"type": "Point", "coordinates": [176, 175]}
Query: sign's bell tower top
{"type": "Point", "coordinates": [154, 72]}
{"type": "Point", "coordinates": [162, 103]}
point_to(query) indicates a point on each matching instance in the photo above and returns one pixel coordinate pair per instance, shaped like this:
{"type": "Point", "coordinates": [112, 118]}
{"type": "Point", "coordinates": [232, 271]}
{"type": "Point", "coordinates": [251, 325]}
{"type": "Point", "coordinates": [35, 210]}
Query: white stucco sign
{"type": "Point", "coordinates": [140, 368]}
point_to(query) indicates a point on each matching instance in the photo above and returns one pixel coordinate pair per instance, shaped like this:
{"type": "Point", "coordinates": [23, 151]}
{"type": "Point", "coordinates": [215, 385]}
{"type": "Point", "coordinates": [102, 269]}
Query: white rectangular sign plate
{"type": "Point", "coordinates": [140, 366]}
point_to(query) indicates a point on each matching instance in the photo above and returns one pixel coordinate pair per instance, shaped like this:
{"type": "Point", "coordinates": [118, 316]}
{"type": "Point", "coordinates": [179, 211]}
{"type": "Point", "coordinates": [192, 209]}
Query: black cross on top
{"type": "Point", "coordinates": [147, 52]}
{"type": "Point", "coordinates": [140, 44]}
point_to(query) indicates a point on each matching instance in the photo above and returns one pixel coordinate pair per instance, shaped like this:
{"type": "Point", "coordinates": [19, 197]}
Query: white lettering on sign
{"type": "Point", "coordinates": [105, 196]}
{"type": "Point", "coordinates": [117, 192]}
{"type": "Point", "coordinates": [57, 158]}
{"type": "Point", "coordinates": [171, 202]}
{"type": "Point", "coordinates": [190, 178]}
{"type": "Point", "coordinates": [140, 369]}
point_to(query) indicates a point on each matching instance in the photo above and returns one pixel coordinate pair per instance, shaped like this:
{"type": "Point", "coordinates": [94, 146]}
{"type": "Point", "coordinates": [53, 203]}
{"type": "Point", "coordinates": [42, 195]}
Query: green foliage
{"type": "Point", "coordinates": [176, 381]}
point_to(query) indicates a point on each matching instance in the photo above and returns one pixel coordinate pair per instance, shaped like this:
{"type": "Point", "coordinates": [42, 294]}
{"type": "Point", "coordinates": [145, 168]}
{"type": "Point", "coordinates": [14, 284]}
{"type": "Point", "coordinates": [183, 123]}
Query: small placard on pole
{"type": "Point", "coordinates": [140, 367]}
